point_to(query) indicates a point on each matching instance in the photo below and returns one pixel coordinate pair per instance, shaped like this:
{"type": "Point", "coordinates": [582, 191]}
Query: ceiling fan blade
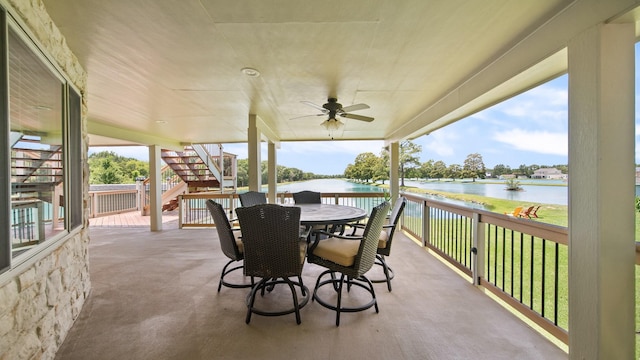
{"type": "Point", "coordinates": [357, 117]}
{"type": "Point", "coordinates": [324, 111]}
{"type": "Point", "coordinates": [355, 107]}
{"type": "Point", "coordinates": [304, 116]}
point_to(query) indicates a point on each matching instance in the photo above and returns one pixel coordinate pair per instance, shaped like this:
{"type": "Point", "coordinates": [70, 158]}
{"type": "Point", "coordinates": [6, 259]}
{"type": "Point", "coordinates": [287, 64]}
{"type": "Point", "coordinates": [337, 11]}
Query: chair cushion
{"type": "Point", "coordinates": [339, 251]}
{"type": "Point", "coordinates": [382, 239]}
{"type": "Point", "coordinates": [238, 236]}
{"type": "Point", "coordinates": [303, 250]}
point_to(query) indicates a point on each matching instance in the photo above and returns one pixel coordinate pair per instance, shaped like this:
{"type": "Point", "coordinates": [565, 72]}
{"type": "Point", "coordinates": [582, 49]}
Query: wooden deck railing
{"type": "Point", "coordinates": [523, 262]}
{"type": "Point", "coordinates": [103, 203]}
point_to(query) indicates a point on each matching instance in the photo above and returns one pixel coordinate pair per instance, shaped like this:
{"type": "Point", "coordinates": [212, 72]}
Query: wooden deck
{"type": "Point", "coordinates": [133, 219]}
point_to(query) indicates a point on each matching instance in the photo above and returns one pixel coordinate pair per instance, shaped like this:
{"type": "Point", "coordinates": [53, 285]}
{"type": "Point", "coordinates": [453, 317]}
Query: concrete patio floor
{"type": "Point", "coordinates": [154, 296]}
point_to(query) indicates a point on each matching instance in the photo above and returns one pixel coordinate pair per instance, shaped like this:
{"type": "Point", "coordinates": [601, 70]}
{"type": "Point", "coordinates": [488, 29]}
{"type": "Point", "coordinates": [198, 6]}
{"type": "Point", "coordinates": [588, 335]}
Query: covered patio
{"type": "Point", "coordinates": [154, 297]}
{"type": "Point", "coordinates": [165, 75]}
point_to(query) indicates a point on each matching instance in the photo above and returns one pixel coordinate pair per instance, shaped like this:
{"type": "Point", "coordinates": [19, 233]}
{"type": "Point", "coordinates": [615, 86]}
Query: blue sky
{"type": "Point", "coordinates": [531, 128]}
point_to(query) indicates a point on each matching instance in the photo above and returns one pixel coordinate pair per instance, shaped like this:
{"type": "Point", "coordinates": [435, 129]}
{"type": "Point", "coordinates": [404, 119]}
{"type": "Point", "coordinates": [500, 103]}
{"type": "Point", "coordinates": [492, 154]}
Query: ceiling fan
{"type": "Point", "coordinates": [333, 108]}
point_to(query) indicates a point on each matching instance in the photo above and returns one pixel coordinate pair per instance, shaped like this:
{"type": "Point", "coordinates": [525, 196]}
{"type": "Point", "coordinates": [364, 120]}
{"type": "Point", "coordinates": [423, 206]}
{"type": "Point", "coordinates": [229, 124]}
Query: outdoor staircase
{"type": "Point", "coordinates": [192, 170]}
{"type": "Point", "coordinates": [35, 168]}
{"type": "Point", "coordinates": [196, 167]}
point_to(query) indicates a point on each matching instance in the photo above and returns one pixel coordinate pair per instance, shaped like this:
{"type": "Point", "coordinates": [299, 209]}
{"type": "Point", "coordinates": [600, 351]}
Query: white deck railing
{"type": "Point", "coordinates": [103, 203]}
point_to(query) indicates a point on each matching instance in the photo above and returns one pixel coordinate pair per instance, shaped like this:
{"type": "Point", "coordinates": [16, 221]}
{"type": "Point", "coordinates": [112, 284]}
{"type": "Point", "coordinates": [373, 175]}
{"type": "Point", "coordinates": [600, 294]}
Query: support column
{"type": "Point", "coordinates": [394, 166]}
{"type": "Point", "coordinates": [155, 188]}
{"type": "Point", "coordinates": [272, 164]}
{"type": "Point", "coordinates": [601, 193]}
{"type": "Point", "coordinates": [253, 150]}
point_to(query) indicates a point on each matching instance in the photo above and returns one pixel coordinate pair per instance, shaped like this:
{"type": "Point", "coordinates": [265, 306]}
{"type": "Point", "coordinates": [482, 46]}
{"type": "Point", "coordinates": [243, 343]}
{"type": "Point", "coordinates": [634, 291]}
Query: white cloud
{"type": "Point", "coordinates": [543, 107]}
{"type": "Point", "coordinates": [440, 142]}
{"type": "Point", "coordinates": [542, 142]}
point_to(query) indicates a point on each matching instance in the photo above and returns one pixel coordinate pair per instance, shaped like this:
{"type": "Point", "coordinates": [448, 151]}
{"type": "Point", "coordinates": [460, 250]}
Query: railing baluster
{"type": "Point", "coordinates": [511, 269]}
{"type": "Point", "coordinates": [555, 284]}
{"type": "Point", "coordinates": [488, 242]}
{"type": "Point", "coordinates": [521, 266]}
{"type": "Point", "coordinates": [544, 277]}
{"type": "Point", "coordinates": [532, 272]}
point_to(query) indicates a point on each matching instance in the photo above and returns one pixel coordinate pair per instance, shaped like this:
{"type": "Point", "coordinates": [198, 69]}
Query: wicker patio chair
{"type": "Point", "coordinates": [352, 257]}
{"type": "Point", "coordinates": [251, 198]}
{"type": "Point", "coordinates": [385, 239]}
{"type": "Point", "coordinates": [307, 197]}
{"type": "Point", "coordinates": [229, 243]}
{"type": "Point", "coordinates": [274, 250]}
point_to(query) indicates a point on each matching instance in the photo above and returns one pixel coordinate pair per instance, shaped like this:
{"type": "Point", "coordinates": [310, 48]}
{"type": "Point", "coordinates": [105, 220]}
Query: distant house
{"type": "Point", "coordinates": [548, 173]}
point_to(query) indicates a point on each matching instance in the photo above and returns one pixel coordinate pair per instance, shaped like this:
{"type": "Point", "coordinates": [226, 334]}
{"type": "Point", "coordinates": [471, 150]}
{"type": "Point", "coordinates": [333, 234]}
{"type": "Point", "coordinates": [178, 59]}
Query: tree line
{"type": "Point", "coordinates": [369, 167]}
{"type": "Point", "coordinates": [284, 174]}
{"type": "Point", "coordinates": [107, 167]}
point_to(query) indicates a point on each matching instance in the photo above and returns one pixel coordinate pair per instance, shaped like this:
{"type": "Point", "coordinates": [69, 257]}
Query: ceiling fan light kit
{"type": "Point", "coordinates": [332, 124]}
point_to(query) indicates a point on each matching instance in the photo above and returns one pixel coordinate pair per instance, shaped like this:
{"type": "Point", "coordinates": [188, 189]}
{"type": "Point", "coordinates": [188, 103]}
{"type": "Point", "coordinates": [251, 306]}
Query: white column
{"type": "Point", "coordinates": [253, 149]}
{"type": "Point", "coordinates": [272, 169]}
{"type": "Point", "coordinates": [155, 188]}
{"type": "Point", "coordinates": [394, 166]}
{"type": "Point", "coordinates": [601, 193]}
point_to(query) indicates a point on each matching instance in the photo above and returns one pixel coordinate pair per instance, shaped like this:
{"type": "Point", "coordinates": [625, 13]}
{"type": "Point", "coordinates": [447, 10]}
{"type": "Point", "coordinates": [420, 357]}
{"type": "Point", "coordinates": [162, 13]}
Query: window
{"type": "Point", "coordinates": [44, 156]}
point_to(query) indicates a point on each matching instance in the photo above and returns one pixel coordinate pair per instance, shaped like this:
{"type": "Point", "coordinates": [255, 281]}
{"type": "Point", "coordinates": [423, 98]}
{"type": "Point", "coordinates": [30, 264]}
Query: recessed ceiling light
{"type": "Point", "coordinates": [161, 121]}
{"type": "Point", "coordinates": [250, 72]}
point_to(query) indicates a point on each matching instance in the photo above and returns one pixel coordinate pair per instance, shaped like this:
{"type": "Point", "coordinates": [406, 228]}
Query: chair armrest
{"type": "Point", "coordinates": [304, 232]}
{"type": "Point", "coordinates": [354, 226]}
{"type": "Point", "coordinates": [338, 236]}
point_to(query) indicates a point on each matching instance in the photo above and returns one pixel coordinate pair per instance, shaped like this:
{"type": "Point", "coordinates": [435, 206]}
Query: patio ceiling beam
{"type": "Point", "coordinates": [135, 137]}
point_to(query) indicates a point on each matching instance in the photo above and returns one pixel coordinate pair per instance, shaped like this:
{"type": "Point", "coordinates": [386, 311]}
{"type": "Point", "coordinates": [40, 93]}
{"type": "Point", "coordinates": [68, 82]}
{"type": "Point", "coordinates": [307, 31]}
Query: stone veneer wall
{"type": "Point", "coordinates": [39, 302]}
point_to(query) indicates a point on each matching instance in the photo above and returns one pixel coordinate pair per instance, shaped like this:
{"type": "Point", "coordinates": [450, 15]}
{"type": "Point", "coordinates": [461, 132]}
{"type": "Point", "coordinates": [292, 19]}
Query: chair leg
{"type": "Point", "coordinates": [388, 272]}
{"type": "Point", "coordinates": [252, 298]}
{"type": "Point", "coordinates": [373, 292]}
{"type": "Point", "coordinates": [338, 284]}
{"type": "Point", "coordinates": [338, 306]}
{"type": "Point", "coordinates": [222, 274]}
{"type": "Point", "coordinates": [304, 293]}
{"type": "Point", "coordinates": [315, 288]}
{"type": "Point", "coordinates": [267, 283]}
{"type": "Point", "coordinates": [295, 299]}
{"type": "Point", "coordinates": [225, 271]}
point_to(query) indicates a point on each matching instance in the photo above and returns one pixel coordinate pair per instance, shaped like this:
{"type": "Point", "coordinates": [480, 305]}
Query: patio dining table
{"type": "Point", "coordinates": [329, 214]}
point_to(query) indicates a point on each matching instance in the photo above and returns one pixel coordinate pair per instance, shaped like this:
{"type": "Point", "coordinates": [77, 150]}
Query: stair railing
{"type": "Point", "coordinates": [227, 162]}
{"type": "Point", "coordinates": [169, 179]}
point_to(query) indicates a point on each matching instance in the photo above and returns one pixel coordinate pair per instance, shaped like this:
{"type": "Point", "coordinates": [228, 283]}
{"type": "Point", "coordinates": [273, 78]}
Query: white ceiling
{"type": "Point", "coordinates": [168, 72]}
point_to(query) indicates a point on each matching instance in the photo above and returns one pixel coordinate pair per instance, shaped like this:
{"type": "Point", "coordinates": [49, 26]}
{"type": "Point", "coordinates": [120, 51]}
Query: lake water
{"type": "Point", "coordinates": [548, 192]}
{"type": "Point", "coordinates": [529, 194]}
{"type": "Point", "coordinates": [326, 185]}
